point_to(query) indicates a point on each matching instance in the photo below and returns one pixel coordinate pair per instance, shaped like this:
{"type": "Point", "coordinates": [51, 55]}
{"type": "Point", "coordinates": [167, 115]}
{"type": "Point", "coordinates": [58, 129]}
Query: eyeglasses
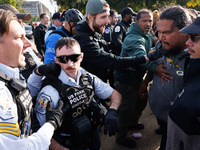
{"type": "Point", "coordinates": [65, 58]}
{"type": "Point", "coordinates": [193, 37]}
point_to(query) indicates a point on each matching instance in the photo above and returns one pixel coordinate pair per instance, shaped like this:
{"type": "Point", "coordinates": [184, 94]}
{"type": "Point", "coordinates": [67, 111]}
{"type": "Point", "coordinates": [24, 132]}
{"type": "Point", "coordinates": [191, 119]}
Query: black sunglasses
{"type": "Point", "coordinates": [61, 19]}
{"type": "Point", "coordinates": [65, 58]}
{"type": "Point", "coordinates": [193, 37]}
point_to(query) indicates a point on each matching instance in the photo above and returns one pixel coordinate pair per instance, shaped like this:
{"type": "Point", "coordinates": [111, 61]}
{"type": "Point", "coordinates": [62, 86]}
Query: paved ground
{"type": "Point", "coordinates": [149, 140]}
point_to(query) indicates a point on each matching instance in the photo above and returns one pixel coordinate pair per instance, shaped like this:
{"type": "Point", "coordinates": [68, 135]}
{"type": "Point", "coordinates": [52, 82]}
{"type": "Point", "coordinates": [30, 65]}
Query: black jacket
{"type": "Point", "coordinates": [108, 33]}
{"type": "Point", "coordinates": [39, 33]}
{"type": "Point", "coordinates": [118, 36]}
{"type": "Point", "coordinates": [97, 59]}
{"type": "Point", "coordinates": [185, 112]}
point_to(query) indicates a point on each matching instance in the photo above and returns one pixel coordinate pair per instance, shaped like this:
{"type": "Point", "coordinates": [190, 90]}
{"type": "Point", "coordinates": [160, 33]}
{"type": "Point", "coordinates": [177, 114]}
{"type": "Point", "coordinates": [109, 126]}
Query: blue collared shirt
{"type": "Point", "coordinates": [48, 93]}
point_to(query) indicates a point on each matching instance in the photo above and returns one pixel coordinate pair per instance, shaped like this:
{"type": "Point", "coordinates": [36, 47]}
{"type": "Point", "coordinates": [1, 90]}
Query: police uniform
{"type": "Point", "coordinates": [48, 93]}
{"type": "Point", "coordinates": [11, 136]}
{"type": "Point", "coordinates": [108, 33]}
{"type": "Point", "coordinates": [118, 36]}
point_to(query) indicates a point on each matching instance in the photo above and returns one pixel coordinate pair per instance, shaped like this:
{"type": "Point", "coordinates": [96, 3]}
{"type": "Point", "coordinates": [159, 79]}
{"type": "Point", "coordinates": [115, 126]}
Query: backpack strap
{"type": "Point", "coordinates": [52, 28]}
{"type": "Point", "coordinates": [58, 32]}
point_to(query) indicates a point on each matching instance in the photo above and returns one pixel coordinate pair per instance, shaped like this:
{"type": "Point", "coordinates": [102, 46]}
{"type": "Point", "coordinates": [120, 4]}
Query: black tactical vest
{"type": "Point", "coordinates": [23, 100]}
{"type": "Point", "coordinates": [83, 115]}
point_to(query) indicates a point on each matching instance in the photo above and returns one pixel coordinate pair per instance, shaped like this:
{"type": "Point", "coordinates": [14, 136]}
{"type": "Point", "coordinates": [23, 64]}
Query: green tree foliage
{"type": "Point", "coordinates": [15, 3]}
{"type": "Point", "coordinates": [67, 4]}
{"type": "Point", "coordinates": [19, 5]}
{"type": "Point", "coordinates": [193, 4]}
{"type": "Point", "coordinates": [12, 2]}
{"type": "Point", "coordinates": [136, 5]}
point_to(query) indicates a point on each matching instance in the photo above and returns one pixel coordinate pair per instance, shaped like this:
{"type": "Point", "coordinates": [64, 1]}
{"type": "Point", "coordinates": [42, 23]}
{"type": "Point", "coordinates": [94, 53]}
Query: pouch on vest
{"type": "Point", "coordinates": [81, 129]}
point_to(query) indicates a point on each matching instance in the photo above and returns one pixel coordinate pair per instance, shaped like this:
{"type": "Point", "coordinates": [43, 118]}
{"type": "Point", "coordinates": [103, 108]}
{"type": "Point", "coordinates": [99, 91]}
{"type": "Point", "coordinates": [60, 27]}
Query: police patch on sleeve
{"type": "Point", "coordinates": [42, 103]}
{"type": "Point", "coordinates": [5, 106]}
{"type": "Point", "coordinates": [117, 29]}
{"type": "Point", "coordinates": [107, 31]}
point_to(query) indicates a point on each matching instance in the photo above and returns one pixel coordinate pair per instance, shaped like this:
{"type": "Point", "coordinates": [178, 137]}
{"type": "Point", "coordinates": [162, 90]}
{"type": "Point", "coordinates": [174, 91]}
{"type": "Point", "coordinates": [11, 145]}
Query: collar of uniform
{"type": "Point", "coordinates": [11, 72]}
{"type": "Point", "coordinates": [68, 80]}
{"type": "Point", "coordinates": [53, 25]}
{"type": "Point", "coordinates": [126, 23]}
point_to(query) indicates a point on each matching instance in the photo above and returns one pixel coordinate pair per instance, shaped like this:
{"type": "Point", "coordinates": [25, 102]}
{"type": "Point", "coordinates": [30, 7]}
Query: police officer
{"type": "Point", "coordinates": [109, 28]}
{"type": "Point", "coordinates": [32, 58]}
{"type": "Point", "coordinates": [119, 32]}
{"type": "Point", "coordinates": [79, 129]}
{"type": "Point", "coordinates": [16, 102]}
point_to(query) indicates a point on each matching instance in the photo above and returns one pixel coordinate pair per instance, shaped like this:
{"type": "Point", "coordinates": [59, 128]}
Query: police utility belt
{"type": "Point", "coordinates": [23, 100]}
{"type": "Point", "coordinates": [83, 115]}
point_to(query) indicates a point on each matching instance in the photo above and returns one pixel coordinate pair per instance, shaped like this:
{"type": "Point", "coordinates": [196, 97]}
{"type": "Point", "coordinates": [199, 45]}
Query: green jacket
{"type": "Point", "coordinates": [136, 43]}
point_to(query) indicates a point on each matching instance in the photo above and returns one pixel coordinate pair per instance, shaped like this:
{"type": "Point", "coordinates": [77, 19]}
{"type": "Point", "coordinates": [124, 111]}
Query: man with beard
{"type": "Point", "coordinates": [138, 42]}
{"type": "Point", "coordinates": [119, 32]}
{"type": "Point", "coordinates": [162, 93]}
{"type": "Point", "coordinates": [97, 59]}
{"type": "Point", "coordinates": [183, 126]}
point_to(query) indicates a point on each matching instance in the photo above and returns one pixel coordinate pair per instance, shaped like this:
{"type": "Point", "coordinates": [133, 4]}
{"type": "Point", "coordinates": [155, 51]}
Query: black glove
{"type": "Point", "coordinates": [155, 55]}
{"type": "Point", "coordinates": [111, 122]}
{"type": "Point", "coordinates": [50, 70]}
{"type": "Point", "coordinates": [55, 116]}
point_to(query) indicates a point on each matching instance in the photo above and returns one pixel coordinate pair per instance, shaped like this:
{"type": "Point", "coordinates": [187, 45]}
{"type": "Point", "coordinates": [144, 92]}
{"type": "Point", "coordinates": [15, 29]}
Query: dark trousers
{"type": "Point", "coordinates": [130, 109]}
{"type": "Point", "coordinates": [163, 126]}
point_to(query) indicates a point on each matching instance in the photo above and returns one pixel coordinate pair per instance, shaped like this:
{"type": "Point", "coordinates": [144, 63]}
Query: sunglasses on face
{"type": "Point", "coordinates": [65, 58]}
{"type": "Point", "coordinates": [61, 19]}
{"type": "Point", "coordinates": [193, 37]}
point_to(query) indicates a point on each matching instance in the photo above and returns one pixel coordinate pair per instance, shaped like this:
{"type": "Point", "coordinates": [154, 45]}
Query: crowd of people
{"type": "Point", "coordinates": [92, 70]}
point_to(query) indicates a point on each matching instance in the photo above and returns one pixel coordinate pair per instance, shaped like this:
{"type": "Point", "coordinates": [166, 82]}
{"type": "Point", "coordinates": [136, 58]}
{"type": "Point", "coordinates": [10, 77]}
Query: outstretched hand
{"type": "Point", "coordinates": [163, 73]}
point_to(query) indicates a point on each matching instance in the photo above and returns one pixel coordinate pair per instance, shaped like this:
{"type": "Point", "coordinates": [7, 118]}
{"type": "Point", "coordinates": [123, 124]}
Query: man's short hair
{"type": "Point", "coordinates": [178, 14]}
{"type": "Point", "coordinates": [42, 15]}
{"type": "Point", "coordinates": [142, 11]}
{"type": "Point", "coordinates": [66, 41]}
{"type": "Point", "coordinates": [112, 12]}
{"type": "Point", "coordinates": [5, 19]}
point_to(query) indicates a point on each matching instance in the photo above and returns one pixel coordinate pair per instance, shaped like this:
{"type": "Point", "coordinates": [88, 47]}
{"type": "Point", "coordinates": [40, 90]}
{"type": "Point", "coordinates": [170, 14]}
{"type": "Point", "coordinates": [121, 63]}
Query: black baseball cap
{"type": "Point", "coordinates": [56, 15]}
{"type": "Point", "coordinates": [193, 28]}
{"type": "Point", "coordinates": [128, 10]}
{"type": "Point", "coordinates": [24, 16]}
